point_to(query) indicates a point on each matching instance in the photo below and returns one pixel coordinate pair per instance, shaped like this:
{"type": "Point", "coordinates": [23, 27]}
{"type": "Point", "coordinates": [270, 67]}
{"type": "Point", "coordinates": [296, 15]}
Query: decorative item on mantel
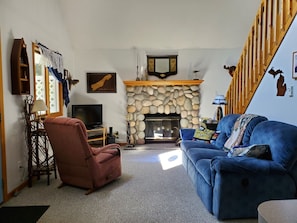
{"type": "Point", "coordinates": [219, 100]}
{"type": "Point", "coordinates": [137, 63]}
{"type": "Point", "coordinates": [195, 74]}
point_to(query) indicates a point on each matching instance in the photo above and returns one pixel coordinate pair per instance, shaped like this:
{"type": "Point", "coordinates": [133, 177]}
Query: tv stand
{"type": "Point", "coordinates": [97, 134]}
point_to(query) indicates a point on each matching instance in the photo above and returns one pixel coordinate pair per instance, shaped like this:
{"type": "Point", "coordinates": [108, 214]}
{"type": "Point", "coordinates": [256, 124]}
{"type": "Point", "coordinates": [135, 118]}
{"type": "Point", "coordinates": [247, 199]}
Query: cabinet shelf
{"type": "Point", "coordinates": [97, 134]}
{"type": "Point", "coordinates": [20, 76]}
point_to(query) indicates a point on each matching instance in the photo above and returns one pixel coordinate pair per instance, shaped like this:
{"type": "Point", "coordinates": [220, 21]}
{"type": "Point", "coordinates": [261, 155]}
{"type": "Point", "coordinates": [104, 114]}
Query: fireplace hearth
{"type": "Point", "coordinates": [161, 127]}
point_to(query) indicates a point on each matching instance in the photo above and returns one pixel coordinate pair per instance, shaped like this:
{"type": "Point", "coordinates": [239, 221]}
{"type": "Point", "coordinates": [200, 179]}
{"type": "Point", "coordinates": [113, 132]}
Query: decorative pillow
{"type": "Point", "coordinates": [203, 134]}
{"type": "Point", "coordinates": [256, 151]}
{"type": "Point", "coordinates": [214, 137]}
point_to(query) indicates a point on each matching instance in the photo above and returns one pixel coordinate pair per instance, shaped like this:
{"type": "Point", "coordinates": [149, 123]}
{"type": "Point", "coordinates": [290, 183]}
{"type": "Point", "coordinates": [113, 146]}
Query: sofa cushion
{"type": "Point", "coordinates": [185, 145]}
{"type": "Point", "coordinates": [195, 154]}
{"type": "Point", "coordinates": [203, 168]}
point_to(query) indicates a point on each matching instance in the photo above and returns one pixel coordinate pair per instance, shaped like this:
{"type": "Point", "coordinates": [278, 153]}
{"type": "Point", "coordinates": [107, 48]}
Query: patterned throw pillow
{"type": "Point", "coordinates": [256, 151]}
{"type": "Point", "coordinates": [203, 134]}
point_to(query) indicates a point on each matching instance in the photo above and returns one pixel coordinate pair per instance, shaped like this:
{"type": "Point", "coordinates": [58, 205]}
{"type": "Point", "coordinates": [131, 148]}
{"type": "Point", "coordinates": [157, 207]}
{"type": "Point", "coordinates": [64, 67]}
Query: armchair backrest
{"type": "Point", "coordinates": [74, 149]}
{"type": "Point", "coordinates": [68, 138]}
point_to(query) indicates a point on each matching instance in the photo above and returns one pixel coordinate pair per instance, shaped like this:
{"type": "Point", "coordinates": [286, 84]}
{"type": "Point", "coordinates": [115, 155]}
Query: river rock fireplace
{"type": "Point", "coordinates": [149, 102]}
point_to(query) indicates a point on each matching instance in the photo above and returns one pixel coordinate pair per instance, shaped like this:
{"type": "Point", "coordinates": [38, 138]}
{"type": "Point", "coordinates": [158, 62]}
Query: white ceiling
{"type": "Point", "coordinates": [158, 24]}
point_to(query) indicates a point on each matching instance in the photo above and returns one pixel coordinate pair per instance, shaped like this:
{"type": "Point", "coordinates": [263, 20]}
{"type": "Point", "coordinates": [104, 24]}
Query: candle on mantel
{"type": "Point", "coordinates": [137, 66]}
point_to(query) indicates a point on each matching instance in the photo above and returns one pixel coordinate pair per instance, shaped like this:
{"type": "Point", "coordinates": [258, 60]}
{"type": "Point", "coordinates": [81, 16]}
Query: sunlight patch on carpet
{"type": "Point", "coordinates": [170, 159]}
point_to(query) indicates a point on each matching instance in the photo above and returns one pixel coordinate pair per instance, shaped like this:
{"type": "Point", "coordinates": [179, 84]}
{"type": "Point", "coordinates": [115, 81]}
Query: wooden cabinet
{"type": "Point", "coordinates": [20, 76]}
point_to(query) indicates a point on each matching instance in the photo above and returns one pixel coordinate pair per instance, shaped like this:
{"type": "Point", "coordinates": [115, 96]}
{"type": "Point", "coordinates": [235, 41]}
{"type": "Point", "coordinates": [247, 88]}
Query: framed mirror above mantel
{"type": "Point", "coordinates": [162, 66]}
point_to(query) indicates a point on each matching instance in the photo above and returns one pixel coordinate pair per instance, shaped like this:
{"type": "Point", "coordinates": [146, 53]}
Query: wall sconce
{"type": "Point", "coordinates": [38, 107]}
{"type": "Point", "coordinates": [219, 100]}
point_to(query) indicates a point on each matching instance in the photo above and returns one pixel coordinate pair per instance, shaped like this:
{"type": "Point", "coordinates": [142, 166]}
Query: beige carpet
{"type": "Point", "coordinates": [149, 191]}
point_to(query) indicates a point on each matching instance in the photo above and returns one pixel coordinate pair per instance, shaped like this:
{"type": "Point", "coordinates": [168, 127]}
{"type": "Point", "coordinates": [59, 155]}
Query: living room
{"type": "Point", "coordinates": [44, 22]}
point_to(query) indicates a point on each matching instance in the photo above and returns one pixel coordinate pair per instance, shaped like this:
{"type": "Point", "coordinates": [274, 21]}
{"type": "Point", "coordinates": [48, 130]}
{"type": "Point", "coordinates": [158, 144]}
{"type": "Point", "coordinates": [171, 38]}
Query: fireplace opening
{"type": "Point", "coordinates": [161, 127]}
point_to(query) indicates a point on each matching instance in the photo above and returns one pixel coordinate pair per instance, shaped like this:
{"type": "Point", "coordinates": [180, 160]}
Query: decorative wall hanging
{"type": "Point", "coordinates": [230, 69]}
{"type": "Point", "coordinates": [281, 85]}
{"type": "Point", "coordinates": [101, 83]}
{"type": "Point", "coordinates": [162, 66]}
{"type": "Point", "coordinates": [274, 72]}
{"type": "Point", "coordinates": [68, 77]}
{"type": "Point", "coordinates": [294, 68]}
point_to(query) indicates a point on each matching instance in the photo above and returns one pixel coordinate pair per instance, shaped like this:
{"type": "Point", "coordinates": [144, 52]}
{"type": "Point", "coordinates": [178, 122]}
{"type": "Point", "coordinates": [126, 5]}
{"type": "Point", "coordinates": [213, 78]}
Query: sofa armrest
{"type": "Point", "coordinates": [186, 133]}
{"type": "Point", "coordinates": [245, 165]}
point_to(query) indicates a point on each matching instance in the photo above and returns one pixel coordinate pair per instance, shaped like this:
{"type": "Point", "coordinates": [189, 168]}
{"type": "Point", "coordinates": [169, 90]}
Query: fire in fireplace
{"type": "Point", "coordinates": [161, 127]}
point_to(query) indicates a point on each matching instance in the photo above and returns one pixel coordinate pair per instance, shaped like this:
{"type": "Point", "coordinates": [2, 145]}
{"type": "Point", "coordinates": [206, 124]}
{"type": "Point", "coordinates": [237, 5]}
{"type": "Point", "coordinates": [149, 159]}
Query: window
{"type": "Point", "coordinates": [46, 86]}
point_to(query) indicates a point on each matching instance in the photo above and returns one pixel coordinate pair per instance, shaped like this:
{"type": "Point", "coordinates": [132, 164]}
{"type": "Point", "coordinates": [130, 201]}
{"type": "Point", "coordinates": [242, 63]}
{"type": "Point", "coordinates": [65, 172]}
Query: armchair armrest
{"type": "Point", "coordinates": [245, 165]}
{"type": "Point", "coordinates": [186, 133]}
{"type": "Point", "coordinates": [98, 150]}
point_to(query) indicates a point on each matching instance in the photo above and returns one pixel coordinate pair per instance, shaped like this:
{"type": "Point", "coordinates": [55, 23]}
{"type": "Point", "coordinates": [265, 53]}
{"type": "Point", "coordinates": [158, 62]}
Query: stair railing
{"type": "Point", "coordinates": [269, 28]}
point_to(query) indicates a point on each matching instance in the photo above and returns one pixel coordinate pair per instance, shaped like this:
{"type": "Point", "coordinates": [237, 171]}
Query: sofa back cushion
{"type": "Point", "coordinates": [225, 128]}
{"type": "Point", "coordinates": [242, 130]}
{"type": "Point", "coordinates": [281, 138]}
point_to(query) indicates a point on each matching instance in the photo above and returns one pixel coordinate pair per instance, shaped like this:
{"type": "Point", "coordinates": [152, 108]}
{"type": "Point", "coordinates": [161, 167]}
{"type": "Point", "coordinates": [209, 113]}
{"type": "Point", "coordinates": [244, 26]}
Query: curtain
{"type": "Point", "coordinates": [54, 63]}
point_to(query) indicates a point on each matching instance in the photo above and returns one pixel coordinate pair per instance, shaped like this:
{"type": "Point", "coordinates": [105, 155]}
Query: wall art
{"type": "Point", "coordinates": [101, 83]}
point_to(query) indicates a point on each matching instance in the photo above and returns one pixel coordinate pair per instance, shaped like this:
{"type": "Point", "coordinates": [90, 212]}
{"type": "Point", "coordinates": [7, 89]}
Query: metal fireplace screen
{"type": "Point", "coordinates": [162, 127]}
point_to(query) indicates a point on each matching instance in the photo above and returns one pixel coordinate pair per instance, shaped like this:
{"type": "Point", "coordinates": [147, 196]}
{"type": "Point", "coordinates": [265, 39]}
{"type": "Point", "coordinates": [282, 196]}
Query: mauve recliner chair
{"type": "Point", "coordinates": [80, 164]}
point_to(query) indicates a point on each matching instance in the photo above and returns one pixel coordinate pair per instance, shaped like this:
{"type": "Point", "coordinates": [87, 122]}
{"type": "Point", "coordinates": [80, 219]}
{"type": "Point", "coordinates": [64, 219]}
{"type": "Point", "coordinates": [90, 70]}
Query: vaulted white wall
{"type": "Point", "coordinates": [34, 21]}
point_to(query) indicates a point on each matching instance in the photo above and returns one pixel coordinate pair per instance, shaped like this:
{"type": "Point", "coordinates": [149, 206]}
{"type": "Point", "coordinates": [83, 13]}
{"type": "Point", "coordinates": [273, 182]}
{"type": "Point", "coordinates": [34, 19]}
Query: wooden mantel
{"type": "Point", "coordinates": [163, 82]}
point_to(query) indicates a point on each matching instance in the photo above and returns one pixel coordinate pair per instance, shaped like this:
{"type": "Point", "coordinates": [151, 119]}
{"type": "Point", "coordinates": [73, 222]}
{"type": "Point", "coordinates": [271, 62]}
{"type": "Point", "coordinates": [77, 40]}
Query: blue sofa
{"type": "Point", "coordinates": [233, 187]}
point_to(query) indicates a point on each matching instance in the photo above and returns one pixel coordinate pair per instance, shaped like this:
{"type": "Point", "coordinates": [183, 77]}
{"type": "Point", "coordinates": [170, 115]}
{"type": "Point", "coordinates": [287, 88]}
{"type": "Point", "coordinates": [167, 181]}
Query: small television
{"type": "Point", "coordinates": [90, 114]}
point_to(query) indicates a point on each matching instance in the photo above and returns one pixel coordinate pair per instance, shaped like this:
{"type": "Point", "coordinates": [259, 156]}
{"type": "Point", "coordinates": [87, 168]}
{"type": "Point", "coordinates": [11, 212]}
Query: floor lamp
{"type": "Point", "coordinates": [219, 100]}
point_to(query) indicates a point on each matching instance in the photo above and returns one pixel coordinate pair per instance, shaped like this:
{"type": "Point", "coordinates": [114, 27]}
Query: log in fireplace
{"type": "Point", "coordinates": [161, 127]}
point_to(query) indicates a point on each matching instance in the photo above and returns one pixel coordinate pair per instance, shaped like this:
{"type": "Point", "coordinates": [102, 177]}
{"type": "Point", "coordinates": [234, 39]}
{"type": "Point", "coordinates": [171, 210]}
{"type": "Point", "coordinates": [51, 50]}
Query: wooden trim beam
{"type": "Point", "coordinates": [163, 83]}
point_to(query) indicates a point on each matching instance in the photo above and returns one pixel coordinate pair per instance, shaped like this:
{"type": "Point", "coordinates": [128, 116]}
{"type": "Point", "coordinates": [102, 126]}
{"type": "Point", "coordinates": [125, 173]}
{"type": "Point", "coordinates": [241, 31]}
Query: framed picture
{"type": "Point", "coordinates": [101, 83]}
{"type": "Point", "coordinates": [294, 67]}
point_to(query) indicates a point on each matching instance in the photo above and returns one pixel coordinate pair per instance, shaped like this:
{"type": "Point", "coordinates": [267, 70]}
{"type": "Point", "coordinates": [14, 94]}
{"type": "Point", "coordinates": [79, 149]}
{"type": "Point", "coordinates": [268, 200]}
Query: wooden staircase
{"type": "Point", "coordinates": [270, 26]}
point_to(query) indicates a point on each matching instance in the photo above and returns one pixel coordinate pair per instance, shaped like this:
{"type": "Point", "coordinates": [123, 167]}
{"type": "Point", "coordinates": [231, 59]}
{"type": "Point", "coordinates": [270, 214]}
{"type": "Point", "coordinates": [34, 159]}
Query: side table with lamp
{"type": "Point", "coordinates": [219, 100]}
{"type": "Point", "coordinates": [40, 159]}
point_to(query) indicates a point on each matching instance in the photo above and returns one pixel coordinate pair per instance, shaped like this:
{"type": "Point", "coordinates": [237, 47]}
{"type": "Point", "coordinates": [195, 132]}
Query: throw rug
{"type": "Point", "coordinates": [21, 214]}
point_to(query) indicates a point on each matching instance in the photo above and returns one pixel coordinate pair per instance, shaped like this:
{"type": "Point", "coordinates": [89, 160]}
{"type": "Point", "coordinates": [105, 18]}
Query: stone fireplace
{"type": "Point", "coordinates": [179, 99]}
